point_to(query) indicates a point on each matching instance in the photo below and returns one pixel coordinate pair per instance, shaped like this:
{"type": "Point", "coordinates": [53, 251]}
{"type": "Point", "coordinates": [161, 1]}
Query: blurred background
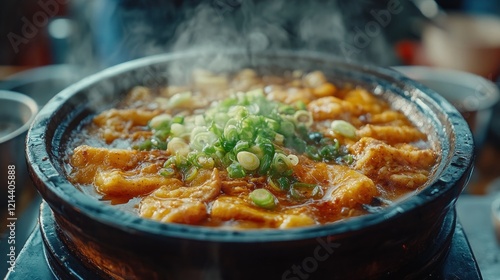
{"type": "Point", "coordinates": [47, 45]}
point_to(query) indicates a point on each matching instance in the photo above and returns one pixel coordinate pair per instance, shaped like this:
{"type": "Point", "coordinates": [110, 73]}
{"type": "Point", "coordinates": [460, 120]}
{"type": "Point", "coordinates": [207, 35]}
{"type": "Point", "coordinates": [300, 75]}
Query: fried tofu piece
{"type": "Point", "coordinates": [392, 134]}
{"type": "Point", "coordinates": [349, 188]}
{"type": "Point", "coordinates": [174, 210]}
{"type": "Point", "coordinates": [131, 183]}
{"type": "Point", "coordinates": [119, 123]}
{"type": "Point", "coordinates": [236, 187]}
{"type": "Point", "coordinates": [367, 101]}
{"type": "Point", "coordinates": [330, 108]}
{"type": "Point", "coordinates": [311, 172]}
{"type": "Point", "coordinates": [120, 118]}
{"type": "Point", "coordinates": [389, 118]}
{"type": "Point", "coordinates": [290, 95]}
{"type": "Point", "coordinates": [86, 160]}
{"type": "Point", "coordinates": [205, 192]}
{"type": "Point", "coordinates": [398, 167]}
{"type": "Point", "coordinates": [119, 172]}
{"type": "Point", "coordinates": [342, 185]}
{"type": "Point", "coordinates": [231, 208]}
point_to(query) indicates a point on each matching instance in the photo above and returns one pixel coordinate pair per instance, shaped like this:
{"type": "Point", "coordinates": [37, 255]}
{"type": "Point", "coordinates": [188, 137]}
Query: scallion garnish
{"type": "Point", "coordinates": [344, 128]}
{"type": "Point", "coordinates": [248, 135]}
{"type": "Point", "coordinates": [235, 170]}
{"type": "Point", "coordinates": [263, 198]}
{"type": "Point", "coordinates": [248, 160]}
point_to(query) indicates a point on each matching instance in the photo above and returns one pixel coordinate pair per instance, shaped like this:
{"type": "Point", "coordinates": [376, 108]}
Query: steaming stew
{"type": "Point", "coordinates": [250, 151]}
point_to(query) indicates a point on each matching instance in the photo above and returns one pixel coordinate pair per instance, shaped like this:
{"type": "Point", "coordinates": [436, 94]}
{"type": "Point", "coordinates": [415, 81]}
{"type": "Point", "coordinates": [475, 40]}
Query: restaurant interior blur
{"type": "Point", "coordinates": [47, 45]}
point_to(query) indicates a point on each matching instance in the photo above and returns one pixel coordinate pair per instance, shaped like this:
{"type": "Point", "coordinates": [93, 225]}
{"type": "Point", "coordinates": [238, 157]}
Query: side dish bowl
{"type": "Point", "coordinates": [406, 239]}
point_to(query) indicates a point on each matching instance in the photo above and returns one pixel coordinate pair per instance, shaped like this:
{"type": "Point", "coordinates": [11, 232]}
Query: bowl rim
{"type": "Point", "coordinates": [24, 100]}
{"type": "Point", "coordinates": [490, 92]}
{"type": "Point", "coordinates": [66, 195]}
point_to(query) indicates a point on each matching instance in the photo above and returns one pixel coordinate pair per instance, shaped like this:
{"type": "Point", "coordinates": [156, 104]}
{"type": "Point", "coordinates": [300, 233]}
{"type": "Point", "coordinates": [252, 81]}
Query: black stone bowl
{"type": "Point", "coordinates": [408, 239]}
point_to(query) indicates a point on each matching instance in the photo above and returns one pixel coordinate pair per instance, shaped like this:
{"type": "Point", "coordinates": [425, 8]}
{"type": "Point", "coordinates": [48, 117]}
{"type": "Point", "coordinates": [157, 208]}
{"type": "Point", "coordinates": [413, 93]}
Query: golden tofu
{"type": "Point", "coordinates": [117, 171]}
{"type": "Point", "coordinates": [231, 208]}
{"type": "Point", "coordinates": [349, 188]}
{"type": "Point", "coordinates": [331, 108]}
{"type": "Point", "coordinates": [389, 117]}
{"type": "Point", "coordinates": [205, 192]}
{"type": "Point", "coordinates": [383, 163]}
{"type": "Point", "coordinates": [130, 183]}
{"type": "Point", "coordinates": [367, 101]}
{"type": "Point", "coordinates": [392, 134]}
{"type": "Point", "coordinates": [174, 210]}
{"type": "Point", "coordinates": [120, 123]}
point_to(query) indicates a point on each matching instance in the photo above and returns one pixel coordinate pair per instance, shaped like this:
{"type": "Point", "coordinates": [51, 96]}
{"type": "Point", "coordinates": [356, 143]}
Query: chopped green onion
{"type": "Point", "coordinates": [263, 198]}
{"type": "Point", "coordinates": [241, 146]}
{"type": "Point", "coordinates": [286, 109]}
{"type": "Point", "coordinates": [178, 119]}
{"type": "Point", "coordinates": [190, 174]}
{"type": "Point", "coordinates": [312, 153]}
{"type": "Point", "coordinates": [180, 99]}
{"type": "Point", "coordinates": [202, 140]}
{"type": "Point", "coordinates": [144, 146]}
{"type": "Point", "coordinates": [169, 162]}
{"type": "Point", "coordinates": [303, 117]}
{"type": "Point", "coordinates": [279, 139]}
{"type": "Point", "coordinates": [281, 162]}
{"type": "Point", "coordinates": [160, 121]}
{"type": "Point", "coordinates": [257, 151]}
{"type": "Point", "coordinates": [246, 134]}
{"type": "Point", "coordinates": [301, 105]}
{"type": "Point", "coordinates": [232, 122]}
{"type": "Point", "coordinates": [349, 159]}
{"type": "Point", "coordinates": [238, 112]}
{"type": "Point", "coordinates": [272, 124]}
{"type": "Point", "coordinates": [158, 143]}
{"type": "Point", "coordinates": [284, 183]}
{"type": "Point", "coordinates": [196, 130]}
{"type": "Point", "coordinates": [167, 172]}
{"type": "Point", "coordinates": [209, 150]}
{"type": "Point", "coordinates": [255, 93]}
{"type": "Point", "coordinates": [199, 120]}
{"type": "Point", "coordinates": [296, 143]}
{"type": "Point", "coordinates": [229, 158]}
{"type": "Point", "coordinates": [206, 162]}
{"type": "Point", "coordinates": [162, 134]}
{"type": "Point", "coordinates": [344, 128]}
{"type": "Point", "coordinates": [220, 119]}
{"type": "Point", "coordinates": [177, 146]}
{"type": "Point", "coordinates": [315, 137]}
{"type": "Point", "coordinates": [253, 108]}
{"type": "Point", "coordinates": [248, 160]}
{"type": "Point", "coordinates": [328, 152]}
{"type": "Point", "coordinates": [294, 160]}
{"type": "Point", "coordinates": [287, 128]}
{"type": "Point", "coordinates": [235, 170]}
{"type": "Point", "coordinates": [177, 129]}
{"type": "Point", "coordinates": [303, 190]}
{"type": "Point", "coordinates": [265, 164]}
{"type": "Point", "coordinates": [231, 133]}
{"type": "Point", "coordinates": [180, 160]}
{"type": "Point", "coordinates": [271, 183]}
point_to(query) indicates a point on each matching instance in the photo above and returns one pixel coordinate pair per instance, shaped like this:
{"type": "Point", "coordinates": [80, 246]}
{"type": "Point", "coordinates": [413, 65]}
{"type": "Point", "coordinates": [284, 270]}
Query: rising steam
{"type": "Point", "coordinates": [151, 26]}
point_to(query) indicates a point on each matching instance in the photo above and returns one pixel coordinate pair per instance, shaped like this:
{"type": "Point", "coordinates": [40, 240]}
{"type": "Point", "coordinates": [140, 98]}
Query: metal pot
{"type": "Point", "coordinates": [406, 239]}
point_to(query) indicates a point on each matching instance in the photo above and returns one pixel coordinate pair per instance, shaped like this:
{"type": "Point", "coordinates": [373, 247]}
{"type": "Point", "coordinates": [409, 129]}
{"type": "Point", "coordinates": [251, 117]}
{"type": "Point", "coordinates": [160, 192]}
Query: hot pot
{"type": "Point", "coordinates": [407, 239]}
